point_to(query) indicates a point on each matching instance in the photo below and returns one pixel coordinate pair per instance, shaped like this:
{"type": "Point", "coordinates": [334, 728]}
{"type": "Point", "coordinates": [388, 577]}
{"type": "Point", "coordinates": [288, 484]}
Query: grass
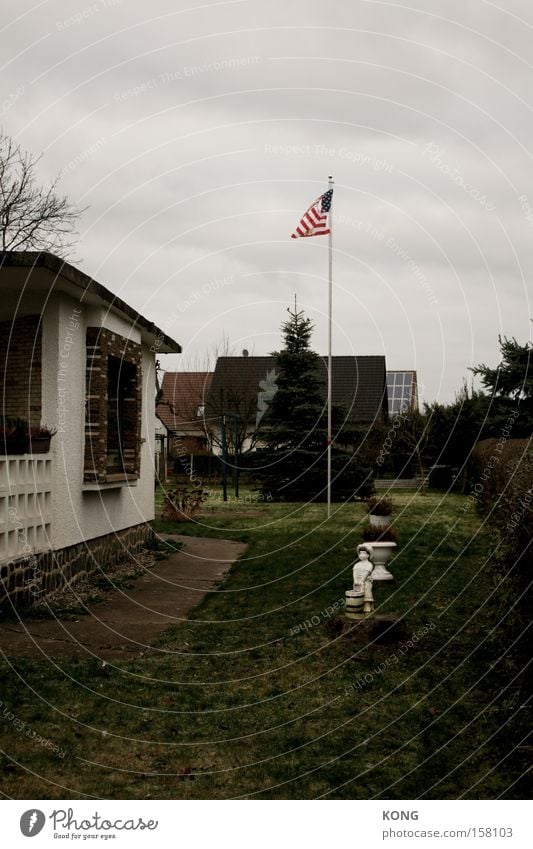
{"type": "Point", "coordinates": [258, 696]}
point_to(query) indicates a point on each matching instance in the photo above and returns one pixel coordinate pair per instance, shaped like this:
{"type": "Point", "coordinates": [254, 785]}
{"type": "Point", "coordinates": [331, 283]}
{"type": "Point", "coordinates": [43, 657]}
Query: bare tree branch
{"type": "Point", "coordinates": [241, 400]}
{"type": "Point", "coordinates": [32, 217]}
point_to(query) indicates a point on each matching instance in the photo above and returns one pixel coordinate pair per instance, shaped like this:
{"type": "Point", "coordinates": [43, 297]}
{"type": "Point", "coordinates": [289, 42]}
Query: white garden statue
{"type": "Point", "coordinates": [359, 600]}
{"type": "Point", "coordinates": [362, 575]}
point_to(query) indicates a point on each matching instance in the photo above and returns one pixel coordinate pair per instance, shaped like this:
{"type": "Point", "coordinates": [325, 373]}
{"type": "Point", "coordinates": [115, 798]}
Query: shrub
{"type": "Point", "coordinates": [491, 469]}
{"type": "Point", "coordinates": [377, 506]}
{"type": "Point", "coordinates": [301, 475]}
{"type": "Point", "coordinates": [182, 504]}
{"type": "Point", "coordinates": [510, 510]}
{"type": "Point", "coordinates": [371, 534]}
{"type": "Point", "coordinates": [507, 502]}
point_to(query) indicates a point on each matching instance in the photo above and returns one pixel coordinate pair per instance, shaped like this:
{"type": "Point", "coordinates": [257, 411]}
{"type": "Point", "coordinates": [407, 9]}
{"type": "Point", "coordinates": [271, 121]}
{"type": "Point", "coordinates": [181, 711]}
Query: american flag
{"type": "Point", "coordinates": [315, 220]}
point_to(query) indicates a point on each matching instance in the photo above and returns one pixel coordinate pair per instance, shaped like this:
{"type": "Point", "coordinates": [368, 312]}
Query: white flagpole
{"type": "Point", "coordinates": [330, 321]}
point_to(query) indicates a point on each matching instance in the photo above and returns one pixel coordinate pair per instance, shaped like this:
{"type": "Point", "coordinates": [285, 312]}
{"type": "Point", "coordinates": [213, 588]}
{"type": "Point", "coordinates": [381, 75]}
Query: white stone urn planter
{"type": "Point", "coordinates": [379, 521]}
{"type": "Point", "coordinates": [381, 554]}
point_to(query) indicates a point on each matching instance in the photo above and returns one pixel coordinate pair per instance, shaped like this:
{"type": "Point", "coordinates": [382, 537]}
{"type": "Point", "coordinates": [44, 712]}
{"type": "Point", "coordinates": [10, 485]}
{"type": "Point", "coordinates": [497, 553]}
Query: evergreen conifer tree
{"type": "Point", "coordinates": [296, 416]}
{"type": "Point", "coordinates": [295, 428]}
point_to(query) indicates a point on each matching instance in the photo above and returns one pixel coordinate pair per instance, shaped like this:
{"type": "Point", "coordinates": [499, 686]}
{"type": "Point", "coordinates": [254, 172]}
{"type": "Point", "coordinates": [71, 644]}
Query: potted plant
{"type": "Point", "coordinates": [379, 510]}
{"type": "Point", "coordinates": [13, 435]}
{"type": "Point", "coordinates": [384, 545]}
{"type": "Point", "coordinates": [39, 439]}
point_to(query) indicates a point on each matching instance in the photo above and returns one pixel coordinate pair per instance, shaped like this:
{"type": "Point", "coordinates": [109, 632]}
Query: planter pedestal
{"type": "Point", "coordinates": [380, 522]}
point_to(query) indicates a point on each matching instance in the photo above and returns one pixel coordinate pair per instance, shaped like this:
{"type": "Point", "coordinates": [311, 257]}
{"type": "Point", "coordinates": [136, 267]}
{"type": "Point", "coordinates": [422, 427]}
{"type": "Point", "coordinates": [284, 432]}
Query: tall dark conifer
{"type": "Point", "coordinates": [296, 418]}
{"type": "Point", "coordinates": [295, 428]}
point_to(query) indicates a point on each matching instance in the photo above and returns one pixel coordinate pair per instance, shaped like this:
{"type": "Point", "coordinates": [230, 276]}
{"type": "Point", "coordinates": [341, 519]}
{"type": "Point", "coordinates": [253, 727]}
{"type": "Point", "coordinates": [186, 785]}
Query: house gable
{"type": "Point", "coordinates": [182, 399]}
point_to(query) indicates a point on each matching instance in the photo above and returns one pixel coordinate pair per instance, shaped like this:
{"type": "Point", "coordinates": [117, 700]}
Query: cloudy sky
{"type": "Point", "coordinates": [198, 133]}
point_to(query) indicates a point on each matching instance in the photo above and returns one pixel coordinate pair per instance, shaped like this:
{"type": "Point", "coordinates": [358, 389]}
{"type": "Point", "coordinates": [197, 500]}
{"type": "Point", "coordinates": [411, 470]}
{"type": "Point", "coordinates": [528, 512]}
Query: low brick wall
{"type": "Point", "coordinates": [23, 581]}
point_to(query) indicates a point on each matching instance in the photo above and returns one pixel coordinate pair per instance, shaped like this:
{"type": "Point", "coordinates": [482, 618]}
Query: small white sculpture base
{"type": "Point", "coordinates": [355, 601]}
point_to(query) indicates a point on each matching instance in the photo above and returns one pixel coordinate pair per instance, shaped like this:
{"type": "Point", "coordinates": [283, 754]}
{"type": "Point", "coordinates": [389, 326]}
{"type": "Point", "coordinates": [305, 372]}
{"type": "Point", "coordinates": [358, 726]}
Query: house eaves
{"type": "Point", "coordinates": [69, 278]}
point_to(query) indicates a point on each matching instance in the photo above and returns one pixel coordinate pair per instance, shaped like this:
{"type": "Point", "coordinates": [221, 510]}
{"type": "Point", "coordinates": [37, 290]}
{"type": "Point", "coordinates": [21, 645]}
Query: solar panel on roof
{"type": "Point", "coordinates": [401, 390]}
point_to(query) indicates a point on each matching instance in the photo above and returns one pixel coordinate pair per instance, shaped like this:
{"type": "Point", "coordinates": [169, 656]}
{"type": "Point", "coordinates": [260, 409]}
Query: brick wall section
{"type": "Point", "coordinates": [24, 581]}
{"type": "Point", "coordinates": [102, 344]}
{"type": "Point", "coordinates": [21, 368]}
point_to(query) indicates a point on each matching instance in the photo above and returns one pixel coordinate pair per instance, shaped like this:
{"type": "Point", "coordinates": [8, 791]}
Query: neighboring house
{"type": "Point", "coordinates": [78, 359]}
{"type": "Point", "coordinates": [402, 391]}
{"type": "Point", "coordinates": [181, 414]}
{"type": "Point", "coordinates": [246, 386]}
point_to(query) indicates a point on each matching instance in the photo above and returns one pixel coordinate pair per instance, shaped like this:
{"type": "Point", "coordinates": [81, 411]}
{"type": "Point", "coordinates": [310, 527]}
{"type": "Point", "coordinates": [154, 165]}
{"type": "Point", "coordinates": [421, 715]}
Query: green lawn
{"type": "Point", "coordinates": [247, 700]}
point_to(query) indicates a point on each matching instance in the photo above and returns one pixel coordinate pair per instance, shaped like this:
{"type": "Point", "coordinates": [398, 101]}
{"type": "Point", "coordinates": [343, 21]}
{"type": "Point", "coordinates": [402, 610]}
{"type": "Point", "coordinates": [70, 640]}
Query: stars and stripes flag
{"type": "Point", "coordinates": [315, 220]}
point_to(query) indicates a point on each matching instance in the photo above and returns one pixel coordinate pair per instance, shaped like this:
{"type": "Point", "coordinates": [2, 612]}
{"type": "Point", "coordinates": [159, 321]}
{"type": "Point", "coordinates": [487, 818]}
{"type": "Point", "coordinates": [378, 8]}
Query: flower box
{"type": "Point", "coordinates": [38, 444]}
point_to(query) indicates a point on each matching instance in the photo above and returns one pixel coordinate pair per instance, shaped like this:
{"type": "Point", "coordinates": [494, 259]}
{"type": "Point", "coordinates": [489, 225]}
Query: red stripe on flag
{"type": "Point", "coordinates": [314, 221]}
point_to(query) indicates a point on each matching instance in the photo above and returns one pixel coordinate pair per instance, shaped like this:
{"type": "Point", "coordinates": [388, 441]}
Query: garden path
{"type": "Point", "coordinates": [126, 623]}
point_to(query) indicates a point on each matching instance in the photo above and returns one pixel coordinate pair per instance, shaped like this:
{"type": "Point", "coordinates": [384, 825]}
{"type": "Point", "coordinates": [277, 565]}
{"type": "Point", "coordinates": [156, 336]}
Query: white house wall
{"type": "Point", "coordinates": [77, 513]}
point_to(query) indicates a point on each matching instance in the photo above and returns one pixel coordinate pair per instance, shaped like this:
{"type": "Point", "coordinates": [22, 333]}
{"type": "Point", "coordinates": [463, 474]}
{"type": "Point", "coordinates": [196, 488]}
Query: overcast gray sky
{"type": "Point", "coordinates": [198, 133]}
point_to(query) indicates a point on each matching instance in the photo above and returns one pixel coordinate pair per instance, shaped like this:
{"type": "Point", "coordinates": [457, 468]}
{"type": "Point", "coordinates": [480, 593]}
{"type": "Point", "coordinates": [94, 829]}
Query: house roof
{"type": "Point", "coordinates": [358, 384]}
{"type": "Point", "coordinates": [89, 291]}
{"type": "Point", "coordinates": [182, 393]}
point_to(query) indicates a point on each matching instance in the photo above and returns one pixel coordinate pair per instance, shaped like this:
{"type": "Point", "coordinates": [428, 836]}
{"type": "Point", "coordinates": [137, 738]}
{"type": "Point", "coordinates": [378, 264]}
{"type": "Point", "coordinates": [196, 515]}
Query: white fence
{"type": "Point", "coordinates": [25, 505]}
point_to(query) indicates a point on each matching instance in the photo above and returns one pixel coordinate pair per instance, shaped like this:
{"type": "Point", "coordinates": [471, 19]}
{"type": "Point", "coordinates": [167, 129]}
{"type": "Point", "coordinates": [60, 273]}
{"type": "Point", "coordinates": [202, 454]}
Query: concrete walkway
{"type": "Point", "coordinates": [127, 621]}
